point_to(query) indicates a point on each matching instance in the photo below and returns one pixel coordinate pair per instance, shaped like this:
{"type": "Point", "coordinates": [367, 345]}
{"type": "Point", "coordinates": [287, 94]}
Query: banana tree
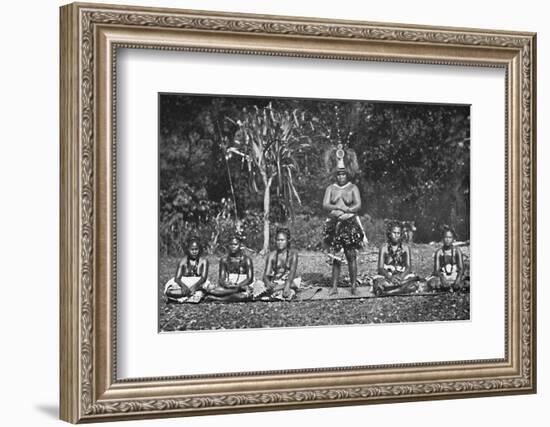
{"type": "Point", "coordinates": [269, 142]}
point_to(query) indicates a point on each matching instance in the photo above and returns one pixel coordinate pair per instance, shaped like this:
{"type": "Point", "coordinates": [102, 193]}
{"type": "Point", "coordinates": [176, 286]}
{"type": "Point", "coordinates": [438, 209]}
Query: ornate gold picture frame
{"type": "Point", "coordinates": [90, 37]}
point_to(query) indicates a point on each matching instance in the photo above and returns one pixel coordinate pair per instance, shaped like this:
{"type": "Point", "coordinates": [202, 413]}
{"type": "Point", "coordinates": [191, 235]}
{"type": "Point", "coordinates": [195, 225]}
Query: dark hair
{"type": "Point", "coordinates": [447, 228]}
{"type": "Point", "coordinates": [235, 235]}
{"type": "Point", "coordinates": [286, 232]}
{"type": "Point", "coordinates": [190, 241]}
{"type": "Point", "coordinates": [391, 225]}
{"type": "Point", "coordinates": [349, 174]}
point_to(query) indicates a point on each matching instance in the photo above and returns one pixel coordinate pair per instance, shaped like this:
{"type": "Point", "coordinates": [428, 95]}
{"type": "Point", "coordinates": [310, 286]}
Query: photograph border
{"type": "Point", "coordinates": [89, 38]}
{"type": "Point", "coordinates": [273, 98]}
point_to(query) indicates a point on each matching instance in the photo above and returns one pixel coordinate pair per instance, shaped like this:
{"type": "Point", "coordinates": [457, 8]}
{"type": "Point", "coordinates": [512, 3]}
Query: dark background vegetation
{"type": "Point", "coordinates": [414, 161]}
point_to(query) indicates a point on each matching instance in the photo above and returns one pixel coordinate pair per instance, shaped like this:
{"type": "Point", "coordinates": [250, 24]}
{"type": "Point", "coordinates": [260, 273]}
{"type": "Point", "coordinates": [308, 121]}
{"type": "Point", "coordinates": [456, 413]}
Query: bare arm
{"type": "Point", "coordinates": [460, 265]}
{"type": "Point", "coordinates": [268, 270]}
{"type": "Point", "coordinates": [437, 267]}
{"type": "Point", "coordinates": [179, 271]}
{"type": "Point", "coordinates": [249, 274]}
{"type": "Point", "coordinates": [356, 205]}
{"type": "Point", "coordinates": [408, 262]}
{"type": "Point", "coordinates": [291, 273]}
{"type": "Point", "coordinates": [222, 278]}
{"type": "Point", "coordinates": [381, 255]}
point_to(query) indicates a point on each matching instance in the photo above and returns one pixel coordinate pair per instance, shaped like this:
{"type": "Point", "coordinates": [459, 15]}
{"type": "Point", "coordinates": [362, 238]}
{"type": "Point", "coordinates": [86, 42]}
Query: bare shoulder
{"type": "Point", "coordinates": [406, 248]}
{"type": "Point", "coordinates": [270, 257]}
{"type": "Point", "coordinates": [183, 260]}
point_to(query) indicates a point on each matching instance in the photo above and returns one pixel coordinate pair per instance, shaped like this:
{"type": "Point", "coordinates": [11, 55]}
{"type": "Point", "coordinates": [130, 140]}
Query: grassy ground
{"type": "Point", "coordinates": [314, 269]}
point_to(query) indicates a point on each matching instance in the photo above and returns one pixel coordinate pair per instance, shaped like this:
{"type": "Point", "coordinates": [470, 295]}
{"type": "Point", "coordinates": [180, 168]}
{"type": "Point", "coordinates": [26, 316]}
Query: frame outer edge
{"type": "Point", "coordinates": [533, 206]}
{"type": "Point", "coordinates": [69, 356]}
{"type": "Point", "coordinates": [303, 19]}
{"type": "Point", "coordinates": [77, 339]}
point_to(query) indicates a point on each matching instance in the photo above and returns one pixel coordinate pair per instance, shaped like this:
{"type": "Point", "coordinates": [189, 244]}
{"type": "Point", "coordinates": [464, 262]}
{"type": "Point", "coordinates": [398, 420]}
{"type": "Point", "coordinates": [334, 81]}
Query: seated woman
{"type": "Point", "coordinates": [279, 280]}
{"type": "Point", "coordinates": [448, 264]}
{"type": "Point", "coordinates": [191, 276]}
{"type": "Point", "coordinates": [342, 230]}
{"type": "Point", "coordinates": [235, 276]}
{"type": "Point", "coordinates": [394, 265]}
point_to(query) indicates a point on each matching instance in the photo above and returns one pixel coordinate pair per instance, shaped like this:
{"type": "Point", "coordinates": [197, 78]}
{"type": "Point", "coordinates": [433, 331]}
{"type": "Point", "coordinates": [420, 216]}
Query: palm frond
{"type": "Point", "coordinates": [272, 142]}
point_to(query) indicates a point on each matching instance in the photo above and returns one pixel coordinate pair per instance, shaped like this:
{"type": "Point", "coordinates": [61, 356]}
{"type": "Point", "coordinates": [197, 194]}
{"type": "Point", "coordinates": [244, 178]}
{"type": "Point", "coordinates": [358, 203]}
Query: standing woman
{"type": "Point", "coordinates": [342, 230]}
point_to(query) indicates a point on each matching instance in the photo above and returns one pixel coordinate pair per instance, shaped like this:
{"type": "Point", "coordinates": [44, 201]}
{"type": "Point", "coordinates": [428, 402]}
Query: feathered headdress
{"type": "Point", "coordinates": [340, 156]}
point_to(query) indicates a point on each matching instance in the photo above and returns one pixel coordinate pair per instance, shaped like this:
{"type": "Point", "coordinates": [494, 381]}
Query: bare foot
{"type": "Point", "coordinates": [333, 291]}
{"type": "Point", "coordinates": [353, 290]}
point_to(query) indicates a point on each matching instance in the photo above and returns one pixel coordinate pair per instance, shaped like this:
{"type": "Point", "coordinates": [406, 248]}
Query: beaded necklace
{"type": "Point", "coordinates": [276, 262]}
{"type": "Point", "coordinates": [192, 268]}
{"type": "Point", "coordinates": [396, 255]}
{"type": "Point", "coordinates": [448, 268]}
{"type": "Point", "coordinates": [235, 264]}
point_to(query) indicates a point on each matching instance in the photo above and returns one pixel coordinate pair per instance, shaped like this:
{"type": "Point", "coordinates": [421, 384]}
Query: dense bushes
{"type": "Point", "coordinates": [306, 231]}
{"type": "Point", "coordinates": [414, 161]}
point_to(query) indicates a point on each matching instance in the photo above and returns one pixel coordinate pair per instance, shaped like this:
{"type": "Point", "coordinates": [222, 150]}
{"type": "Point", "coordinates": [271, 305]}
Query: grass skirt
{"type": "Point", "coordinates": [346, 234]}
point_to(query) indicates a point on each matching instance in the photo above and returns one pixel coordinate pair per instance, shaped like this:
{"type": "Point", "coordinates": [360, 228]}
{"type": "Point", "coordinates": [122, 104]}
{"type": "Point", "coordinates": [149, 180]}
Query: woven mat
{"type": "Point", "coordinates": [318, 293]}
{"type": "Point", "coordinates": [315, 293]}
{"type": "Point", "coordinates": [321, 293]}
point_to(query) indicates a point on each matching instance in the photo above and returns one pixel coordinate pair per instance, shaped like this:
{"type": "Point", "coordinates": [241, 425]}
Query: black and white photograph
{"type": "Point", "coordinates": [288, 212]}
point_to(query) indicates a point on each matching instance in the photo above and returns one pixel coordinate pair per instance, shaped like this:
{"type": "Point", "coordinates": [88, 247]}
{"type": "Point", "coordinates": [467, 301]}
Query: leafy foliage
{"type": "Point", "coordinates": [418, 159]}
{"type": "Point", "coordinates": [413, 158]}
{"type": "Point", "coordinates": [269, 142]}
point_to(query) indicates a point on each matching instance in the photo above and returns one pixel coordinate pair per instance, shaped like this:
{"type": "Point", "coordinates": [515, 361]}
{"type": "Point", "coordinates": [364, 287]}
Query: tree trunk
{"type": "Point", "coordinates": [267, 194]}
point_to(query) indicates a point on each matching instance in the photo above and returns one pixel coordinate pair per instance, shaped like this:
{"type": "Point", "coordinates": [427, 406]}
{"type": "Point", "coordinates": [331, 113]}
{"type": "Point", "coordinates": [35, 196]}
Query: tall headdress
{"type": "Point", "coordinates": [340, 156]}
